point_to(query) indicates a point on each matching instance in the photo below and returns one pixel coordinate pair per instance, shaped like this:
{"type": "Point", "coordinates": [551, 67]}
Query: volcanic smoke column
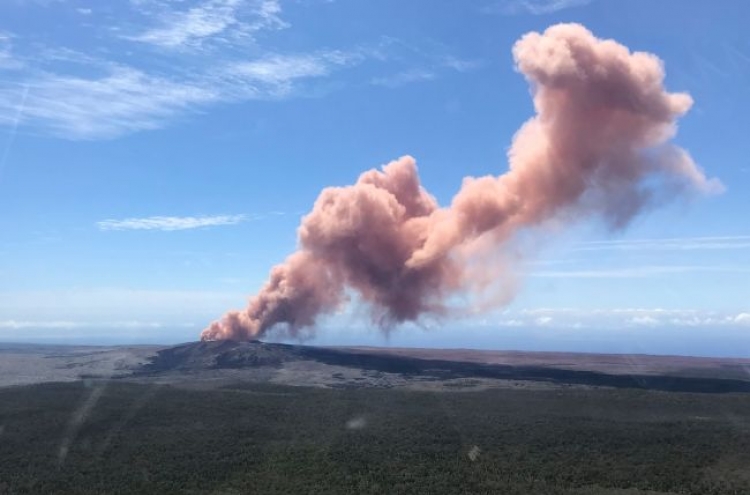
{"type": "Point", "coordinates": [597, 147]}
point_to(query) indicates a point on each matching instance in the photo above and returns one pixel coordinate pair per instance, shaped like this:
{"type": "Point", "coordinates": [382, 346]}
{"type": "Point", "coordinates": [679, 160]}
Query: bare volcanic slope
{"type": "Point", "coordinates": [24, 364]}
{"type": "Point", "coordinates": [617, 364]}
{"type": "Point", "coordinates": [356, 367]}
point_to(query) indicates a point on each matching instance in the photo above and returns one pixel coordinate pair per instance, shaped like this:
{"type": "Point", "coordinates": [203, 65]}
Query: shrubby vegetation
{"type": "Point", "coordinates": [113, 437]}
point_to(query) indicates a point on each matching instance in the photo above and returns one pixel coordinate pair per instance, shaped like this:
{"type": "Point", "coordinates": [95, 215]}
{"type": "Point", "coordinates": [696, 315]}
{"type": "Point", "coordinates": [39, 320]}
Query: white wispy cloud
{"type": "Point", "coordinates": [170, 223]}
{"type": "Point", "coordinates": [669, 244]}
{"type": "Point", "coordinates": [125, 100]}
{"type": "Point", "coordinates": [460, 65]}
{"type": "Point", "coordinates": [95, 98]}
{"type": "Point", "coordinates": [629, 312]}
{"type": "Point", "coordinates": [141, 83]}
{"type": "Point", "coordinates": [534, 7]}
{"type": "Point", "coordinates": [428, 73]}
{"type": "Point", "coordinates": [638, 271]}
{"type": "Point", "coordinates": [403, 78]}
{"type": "Point", "coordinates": [14, 129]}
{"type": "Point", "coordinates": [102, 304]}
{"type": "Point", "coordinates": [275, 75]}
{"type": "Point", "coordinates": [7, 60]}
{"type": "Point", "coordinates": [212, 20]}
{"type": "Point", "coordinates": [69, 324]}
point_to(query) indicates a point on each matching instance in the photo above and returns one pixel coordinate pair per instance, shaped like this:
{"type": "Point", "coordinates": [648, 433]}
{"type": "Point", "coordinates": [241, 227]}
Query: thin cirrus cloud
{"type": "Point", "coordinates": [639, 271]}
{"type": "Point", "coordinates": [105, 304]}
{"type": "Point", "coordinates": [70, 324]}
{"type": "Point", "coordinates": [127, 100]}
{"type": "Point", "coordinates": [428, 73]}
{"type": "Point", "coordinates": [275, 75]}
{"type": "Point", "coordinates": [7, 61]}
{"type": "Point", "coordinates": [669, 244]}
{"type": "Point", "coordinates": [75, 95]}
{"type": "Point", "coordinates": [534, 7]}
{"type": "Point", "coordinates": [220, 21]}
{"type": "Point", "coordinates": [165, 223]}
{"type": "Point", "coordinates": [403, 78]}
{"type": "Point", "coordinates": [87, 95]}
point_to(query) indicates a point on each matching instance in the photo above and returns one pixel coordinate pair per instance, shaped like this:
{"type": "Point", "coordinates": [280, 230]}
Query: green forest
{"type": "Point", "coordinates": [99, 437]}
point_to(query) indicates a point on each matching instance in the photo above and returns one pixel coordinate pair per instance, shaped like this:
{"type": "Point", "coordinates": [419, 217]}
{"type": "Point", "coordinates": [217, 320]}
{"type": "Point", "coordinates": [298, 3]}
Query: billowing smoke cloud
{"type": "Point", "coordinates": [598, 146]}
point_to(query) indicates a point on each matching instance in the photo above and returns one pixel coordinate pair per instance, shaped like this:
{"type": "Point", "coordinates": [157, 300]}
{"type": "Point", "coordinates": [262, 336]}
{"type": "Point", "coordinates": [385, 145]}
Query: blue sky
{"type": "Point", "coordinates": [156, 157]}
